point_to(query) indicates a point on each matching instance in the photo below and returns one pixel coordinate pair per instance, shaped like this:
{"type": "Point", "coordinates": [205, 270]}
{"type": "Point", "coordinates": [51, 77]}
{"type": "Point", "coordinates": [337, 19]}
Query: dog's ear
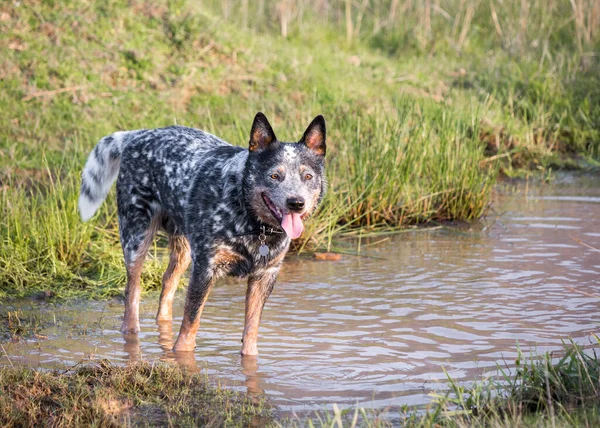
{"type": "Point", "coordinates": [261, 135]}
{"type": "Point", "coordinates": [314, 136]}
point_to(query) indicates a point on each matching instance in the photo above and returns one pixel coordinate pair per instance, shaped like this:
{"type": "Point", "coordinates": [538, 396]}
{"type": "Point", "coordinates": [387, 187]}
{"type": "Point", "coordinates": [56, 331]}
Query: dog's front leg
{"type": "Point", "coordinates": [259, 288]}
{"type": "Point", "coordinates": [201, 282]}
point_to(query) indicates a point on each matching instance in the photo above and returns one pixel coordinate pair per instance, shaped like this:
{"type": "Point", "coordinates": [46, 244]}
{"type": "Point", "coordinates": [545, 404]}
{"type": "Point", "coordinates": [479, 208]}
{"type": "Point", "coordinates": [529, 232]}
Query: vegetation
{"type": "Point", "coordinates": [16, 326]}
{"type": "Point", "coordinates": [101, 394]}
{"type": "Point", "coordinates": [554, 390]}
{"type": "Point", "coordinates": [425, 102]}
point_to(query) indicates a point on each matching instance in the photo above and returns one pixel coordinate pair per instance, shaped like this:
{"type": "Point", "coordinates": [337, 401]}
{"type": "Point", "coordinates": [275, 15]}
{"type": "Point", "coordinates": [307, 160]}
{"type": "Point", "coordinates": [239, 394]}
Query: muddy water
{"type": "Point", "coordinates": [378, 330]}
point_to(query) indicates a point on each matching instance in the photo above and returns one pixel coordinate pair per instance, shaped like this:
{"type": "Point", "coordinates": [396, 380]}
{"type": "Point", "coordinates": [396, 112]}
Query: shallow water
{"type": "Point", "coordinates": [379, 330]}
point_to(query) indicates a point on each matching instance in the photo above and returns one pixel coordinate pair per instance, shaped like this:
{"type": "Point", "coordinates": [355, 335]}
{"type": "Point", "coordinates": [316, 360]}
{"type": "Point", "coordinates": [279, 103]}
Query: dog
{"type": "Point", "coordinates": [228, 210]}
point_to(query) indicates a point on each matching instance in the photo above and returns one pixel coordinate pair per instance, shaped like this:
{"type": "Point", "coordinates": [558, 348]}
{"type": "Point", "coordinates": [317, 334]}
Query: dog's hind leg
{"type": "Point", "coordinates": [201, 282]}
{"type": "Point", "coordinates": [136, 236]}
{"type": "Point", "coordinates": [259, 289]}
{"type": "Point", "coordinates": [179, 261]}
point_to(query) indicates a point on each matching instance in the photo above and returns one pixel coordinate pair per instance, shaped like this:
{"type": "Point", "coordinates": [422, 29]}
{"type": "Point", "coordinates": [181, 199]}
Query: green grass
{"type": "Point", "coordinates": [101, 394]}
{"type": "Point", "coordinates": [47, 248]}
{"type": "Point", "coordinates": [426, 102]}
{"type": "Point", "coordinates": [424, 107]}
{"type": "Point", "coordinates": [554, 390]}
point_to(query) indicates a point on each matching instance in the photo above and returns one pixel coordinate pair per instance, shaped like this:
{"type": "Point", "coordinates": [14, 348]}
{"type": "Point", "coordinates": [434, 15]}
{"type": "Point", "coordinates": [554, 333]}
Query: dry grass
{"type": "Point", "coordinates": [101, 394]}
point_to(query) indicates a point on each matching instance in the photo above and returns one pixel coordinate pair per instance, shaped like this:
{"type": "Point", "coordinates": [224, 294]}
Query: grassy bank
{"type": "Point", "coordinates": [101, 394]}
{"type": "Point", "coordinates": [424, 106]}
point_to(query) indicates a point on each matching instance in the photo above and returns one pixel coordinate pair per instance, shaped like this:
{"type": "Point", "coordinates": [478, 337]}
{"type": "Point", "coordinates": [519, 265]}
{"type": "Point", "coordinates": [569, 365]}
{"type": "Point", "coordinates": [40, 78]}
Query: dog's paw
{"type": "Point", "coordinates": [249, 350]}
{"type": "Point", "coordinates": [129, 329]}
{"type": "Point", "coordinates": [184, 345]}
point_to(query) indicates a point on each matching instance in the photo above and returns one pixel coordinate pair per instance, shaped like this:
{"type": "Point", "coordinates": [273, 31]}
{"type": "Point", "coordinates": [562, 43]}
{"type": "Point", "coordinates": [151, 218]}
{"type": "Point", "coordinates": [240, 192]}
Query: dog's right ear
{"type": "Point", "coordinates": [261, 135]}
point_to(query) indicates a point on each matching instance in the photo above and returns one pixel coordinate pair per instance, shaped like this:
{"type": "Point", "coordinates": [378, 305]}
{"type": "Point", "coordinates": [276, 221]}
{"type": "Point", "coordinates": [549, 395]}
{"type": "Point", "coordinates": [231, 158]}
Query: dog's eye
{"type": "Point", "coordinates": [308, 177]}
{"type": "Point", "coordinates": [275, 176]}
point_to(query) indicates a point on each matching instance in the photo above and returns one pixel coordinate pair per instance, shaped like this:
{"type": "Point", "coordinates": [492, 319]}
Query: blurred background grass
{"type": "Point", "coordinates": [426, 102]}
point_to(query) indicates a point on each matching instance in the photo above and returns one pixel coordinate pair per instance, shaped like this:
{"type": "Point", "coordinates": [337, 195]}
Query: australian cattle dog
{"type": "Point", "coordinates": [229, 210]}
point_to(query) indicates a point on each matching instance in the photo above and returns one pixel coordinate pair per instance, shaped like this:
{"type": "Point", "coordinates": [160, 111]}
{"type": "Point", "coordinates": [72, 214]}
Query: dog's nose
{"type": "Point", "coordinates": [295, 204]}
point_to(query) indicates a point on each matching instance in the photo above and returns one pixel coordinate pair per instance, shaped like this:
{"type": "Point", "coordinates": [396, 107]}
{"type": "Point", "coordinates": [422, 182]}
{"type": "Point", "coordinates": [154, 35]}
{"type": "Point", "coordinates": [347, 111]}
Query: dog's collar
{"type": "Point", "coordinates": [263, 249]}
{"type": "Point", "coordinates": [264, 230]}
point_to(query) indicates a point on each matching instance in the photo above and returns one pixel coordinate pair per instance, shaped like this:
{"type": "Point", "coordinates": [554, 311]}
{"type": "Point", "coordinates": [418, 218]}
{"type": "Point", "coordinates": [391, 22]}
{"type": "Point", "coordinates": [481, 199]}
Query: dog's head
{"type": "Point", "coordinates": [284, 182]}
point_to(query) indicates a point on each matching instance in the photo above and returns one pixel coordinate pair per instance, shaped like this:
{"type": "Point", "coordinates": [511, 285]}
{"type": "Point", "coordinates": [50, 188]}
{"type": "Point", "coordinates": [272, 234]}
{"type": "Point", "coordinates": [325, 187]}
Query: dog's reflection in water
{"type": "Point", "coordinates": [253, 381]}
{"type": "Point", "coordinates": [187, 360]}
{"type": "Point", "coordinates": [132, 347]}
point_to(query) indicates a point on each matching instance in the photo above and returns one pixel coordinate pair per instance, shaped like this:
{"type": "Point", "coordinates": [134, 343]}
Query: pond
{"type": "Point", "coordinates": [380, 329]}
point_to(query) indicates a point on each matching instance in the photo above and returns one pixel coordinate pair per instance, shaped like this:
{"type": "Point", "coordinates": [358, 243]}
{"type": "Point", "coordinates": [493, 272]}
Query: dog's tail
{"type": "Point", "coordinates": [100, 172]}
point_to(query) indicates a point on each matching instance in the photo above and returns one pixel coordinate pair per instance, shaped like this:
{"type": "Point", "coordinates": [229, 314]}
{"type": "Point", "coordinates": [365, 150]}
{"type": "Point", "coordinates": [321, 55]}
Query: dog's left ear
{"type": "Point", "coordinates": [314, 136]}
{"type": "Point", "coordinates": [261, 135]}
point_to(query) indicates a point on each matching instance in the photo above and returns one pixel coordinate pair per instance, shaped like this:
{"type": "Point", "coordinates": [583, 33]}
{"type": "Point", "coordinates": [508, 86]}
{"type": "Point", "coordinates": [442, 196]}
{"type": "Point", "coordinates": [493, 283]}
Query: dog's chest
{"type": "Point", "coordinates": [241, 257]}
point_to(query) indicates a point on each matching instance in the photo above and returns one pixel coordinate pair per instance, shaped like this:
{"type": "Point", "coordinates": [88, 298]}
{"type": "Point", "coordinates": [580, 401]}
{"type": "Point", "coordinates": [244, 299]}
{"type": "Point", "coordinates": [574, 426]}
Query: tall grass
{"type": "Point", "coordinates": [44, 246]}
{"type": "Point", "coordinates": [414, 165]}
{"type": "Point", "coordinates": [525, 25]}
{"type": "Point", "coordinates": [537, 59]}
{"type": "Point", "coordinates": [392, 168]}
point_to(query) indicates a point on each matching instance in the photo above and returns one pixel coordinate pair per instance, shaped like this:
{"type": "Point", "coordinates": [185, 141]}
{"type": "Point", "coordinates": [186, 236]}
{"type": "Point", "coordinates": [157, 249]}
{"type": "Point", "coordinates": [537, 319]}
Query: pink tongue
{"type": "Point", "coordinates": [292, 224]}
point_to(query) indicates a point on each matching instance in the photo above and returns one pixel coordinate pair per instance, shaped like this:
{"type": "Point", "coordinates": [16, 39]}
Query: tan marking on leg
{"type": "Point", "coordinates": [131, 319]}
{"type": "Point", "coordinates": [179, 261]}
{"type": "Point", "coordinates": [131, 322]}
{"type": "Point", "coordinates": [186, 341]}
{"type": "Point", "coordinates": [253, 314]}
{"type": "Point", "coordinates": [257, 293]}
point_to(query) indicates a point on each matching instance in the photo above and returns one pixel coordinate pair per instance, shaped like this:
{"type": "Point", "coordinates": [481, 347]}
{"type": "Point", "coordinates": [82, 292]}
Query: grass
{"type": "Point", "coordinates": [101, 394]}
{"type": "Point", "coordinates": [424, 106]}
{"type": "Point", "coordinates": [15, 326]}
{"type": "Point", "coordinates": [556, 389]}
{"type": "Point", "coordinates": [426, 103]}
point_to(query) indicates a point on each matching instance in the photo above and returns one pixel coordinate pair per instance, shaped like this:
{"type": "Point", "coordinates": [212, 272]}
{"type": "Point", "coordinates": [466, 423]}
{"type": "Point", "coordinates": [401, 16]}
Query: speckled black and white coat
{"type": "Point", "coordinates": [213, 200]}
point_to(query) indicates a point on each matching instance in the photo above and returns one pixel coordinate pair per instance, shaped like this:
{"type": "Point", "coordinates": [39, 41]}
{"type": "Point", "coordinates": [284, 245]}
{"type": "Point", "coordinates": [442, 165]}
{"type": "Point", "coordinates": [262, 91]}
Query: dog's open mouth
{"type": "Point", "coordinates": [290, 222]}
{"type": "Point", "coordinates": [271, 206]}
